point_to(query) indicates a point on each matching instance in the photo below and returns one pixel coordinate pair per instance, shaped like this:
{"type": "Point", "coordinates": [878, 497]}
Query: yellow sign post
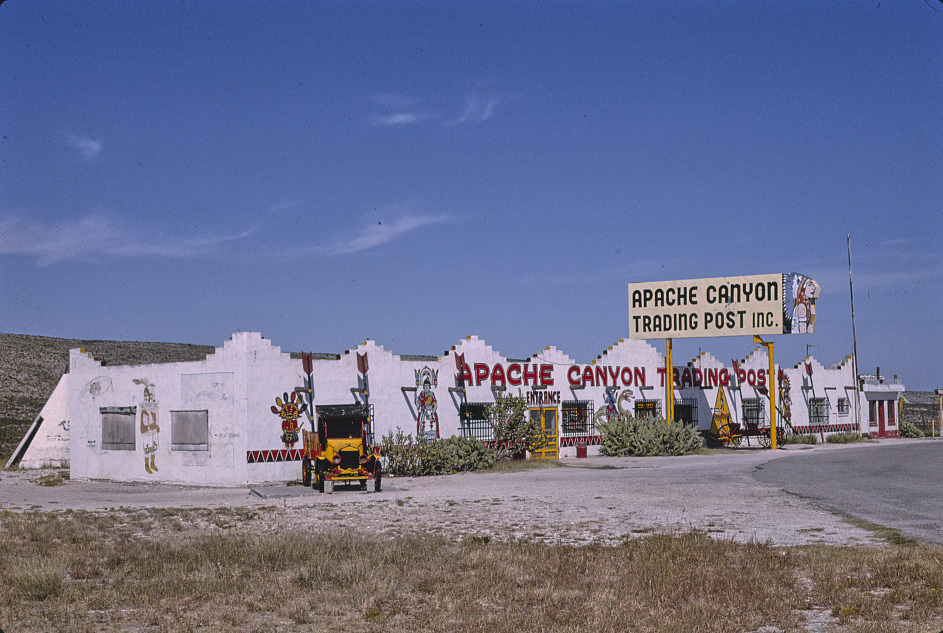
{"type": "Point", "coordinates": [772, 390]}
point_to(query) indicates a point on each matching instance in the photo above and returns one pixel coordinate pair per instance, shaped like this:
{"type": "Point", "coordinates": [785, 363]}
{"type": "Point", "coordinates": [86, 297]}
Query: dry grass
{"type": "Point", "coordinates": [157, 571]}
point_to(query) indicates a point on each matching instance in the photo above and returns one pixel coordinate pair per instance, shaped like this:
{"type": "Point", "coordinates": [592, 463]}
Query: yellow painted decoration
{"type": "Point", "coordinates": [721, 413]}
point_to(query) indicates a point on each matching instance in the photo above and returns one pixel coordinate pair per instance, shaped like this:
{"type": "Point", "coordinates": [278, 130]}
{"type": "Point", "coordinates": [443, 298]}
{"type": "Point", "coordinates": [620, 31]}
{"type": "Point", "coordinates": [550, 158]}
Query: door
{"type": "Point", "coordinates": [882, 431]}
{"type": "Point", "coordinates": [547, 418]}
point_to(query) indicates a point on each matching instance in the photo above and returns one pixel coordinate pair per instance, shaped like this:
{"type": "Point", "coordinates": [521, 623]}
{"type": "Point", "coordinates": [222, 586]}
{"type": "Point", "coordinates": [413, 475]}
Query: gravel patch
{"type": "Point", "coordinates": [579, 501]}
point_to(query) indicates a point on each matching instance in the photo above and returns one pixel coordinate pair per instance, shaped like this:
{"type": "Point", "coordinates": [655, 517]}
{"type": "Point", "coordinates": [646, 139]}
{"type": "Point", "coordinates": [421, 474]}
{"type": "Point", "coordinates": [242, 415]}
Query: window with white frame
{"type": "Point", "coordinates": [844, 406]}
{"type": "Point", "coordinates": [189, 431]}
{"type": "Point", "coordinates": [118, 428]}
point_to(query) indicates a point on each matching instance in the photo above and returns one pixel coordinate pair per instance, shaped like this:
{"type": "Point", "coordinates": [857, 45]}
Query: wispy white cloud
{"type": "Point", "coordinates": [478, 108]}
{"type": "Point", "coordinates": [95, 236]}
{"type": "Point", "coordinates": [400, 110]}
{"type": "Point", "coordinates": [398, 118]}
{"type": "Point", "coordinates": [382, 232]}
{"type": "Point", "coordinates": [404, 110]}
{"type": "Point", "coordinates": [87, 148]}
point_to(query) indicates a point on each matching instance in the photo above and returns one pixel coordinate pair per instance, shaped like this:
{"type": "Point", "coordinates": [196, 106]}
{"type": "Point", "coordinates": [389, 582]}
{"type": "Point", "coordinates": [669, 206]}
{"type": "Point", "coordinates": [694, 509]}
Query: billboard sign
{"type": "Point", "coordinates": [723, 306]}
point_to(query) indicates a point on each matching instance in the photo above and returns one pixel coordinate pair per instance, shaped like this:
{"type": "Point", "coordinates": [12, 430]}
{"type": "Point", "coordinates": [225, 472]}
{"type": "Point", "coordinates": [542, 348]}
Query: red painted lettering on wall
{"type": "Point", "coordinates": [481, 372]}
{"type": "Point", "coordinates": [573, 375]}
{"type": "Point", "coordinates": [497, 375]}
{"type": "Point", "coordinates": [530, 373]}
{"type": "Point", "coordinates": [514, 374]}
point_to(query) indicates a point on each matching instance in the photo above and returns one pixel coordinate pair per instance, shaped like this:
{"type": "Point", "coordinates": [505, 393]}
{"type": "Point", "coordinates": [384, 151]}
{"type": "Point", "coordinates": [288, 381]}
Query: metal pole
{"type": "Point", "coordinates": [854, 340]}
{"type": "Point", "coordinates": [772, 397]}
{"type": "Point", "coordinates": [669, 383]}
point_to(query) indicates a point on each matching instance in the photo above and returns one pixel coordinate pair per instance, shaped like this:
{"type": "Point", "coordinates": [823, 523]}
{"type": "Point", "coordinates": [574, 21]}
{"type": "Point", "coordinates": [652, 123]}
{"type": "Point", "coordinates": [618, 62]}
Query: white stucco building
{"type": "Point", "coordinates": [223, 420]}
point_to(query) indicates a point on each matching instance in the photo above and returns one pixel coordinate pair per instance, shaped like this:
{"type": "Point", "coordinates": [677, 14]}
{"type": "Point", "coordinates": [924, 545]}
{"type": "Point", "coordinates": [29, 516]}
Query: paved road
{"type": "Point", "coordinates": [895, 484]}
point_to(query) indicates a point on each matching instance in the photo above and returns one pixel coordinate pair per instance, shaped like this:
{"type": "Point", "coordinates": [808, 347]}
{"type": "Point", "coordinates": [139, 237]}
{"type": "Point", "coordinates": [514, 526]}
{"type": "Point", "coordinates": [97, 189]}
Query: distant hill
{"type": "Point", "coordinates": [30, 366]}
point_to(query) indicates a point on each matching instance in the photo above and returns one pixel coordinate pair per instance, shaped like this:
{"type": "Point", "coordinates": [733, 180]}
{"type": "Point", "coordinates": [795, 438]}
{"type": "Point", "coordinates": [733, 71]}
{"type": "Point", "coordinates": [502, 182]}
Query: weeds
{"type": "Point", "coordinates": [843, 437]}
{"type": "Point", "coordinates": [84, 571]}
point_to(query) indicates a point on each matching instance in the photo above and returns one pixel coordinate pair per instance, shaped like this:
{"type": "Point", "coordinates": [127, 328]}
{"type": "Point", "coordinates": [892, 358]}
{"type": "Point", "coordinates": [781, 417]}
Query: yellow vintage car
{"type": "Point", "coordinates": [339, 452]}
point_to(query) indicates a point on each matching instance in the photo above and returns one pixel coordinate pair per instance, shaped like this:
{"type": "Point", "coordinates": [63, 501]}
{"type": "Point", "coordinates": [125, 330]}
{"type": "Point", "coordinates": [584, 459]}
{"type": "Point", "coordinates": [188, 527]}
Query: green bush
{"type": "Point", "coordinates": [515, 432]}
{"type": "Point", "coordinates": [798, 438]}
{"type": "Point", "coordinates": [909, 429]}
{"type": "Point", "coordinates": [408, 457]}
{"type": "Point", "coordinates": [624, 435]}
{"type": "Point", "coordinates": [844, 437]}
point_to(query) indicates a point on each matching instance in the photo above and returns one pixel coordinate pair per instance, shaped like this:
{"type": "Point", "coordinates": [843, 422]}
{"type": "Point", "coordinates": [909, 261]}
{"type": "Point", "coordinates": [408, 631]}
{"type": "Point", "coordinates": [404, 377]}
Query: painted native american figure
{"type": "Point", "coordinates": [427, 418]}
{"type": "Point", "coordinates": [149, 426]}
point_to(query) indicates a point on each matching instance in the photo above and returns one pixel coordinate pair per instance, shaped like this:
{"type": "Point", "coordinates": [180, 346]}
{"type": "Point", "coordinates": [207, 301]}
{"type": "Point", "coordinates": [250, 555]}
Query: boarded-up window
{"type": "Point", "coordinates": [189, 431]}
{"type": "Point", "coordinates": [118, 428]}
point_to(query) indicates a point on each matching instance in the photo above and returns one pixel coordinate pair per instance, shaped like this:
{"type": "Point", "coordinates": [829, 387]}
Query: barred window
{"type": "Point", "coordinates": [474, 420]}
{"type": "Point", "coordinates": [577, 417]}
{"type": "Point", "coordinates": [754, 411]}
{"type": "Point", "coordinates": [818, 411]}
{"type": "Point", "coordinates": [189, 431]}
{"type": "Point", "coordinates": [118, 428]}
{"type": "Point", "coordinates": [686, 411]}
{"type": "Point", "coordinates": [844, 406]}
{"type": "Point", "coordinates": [645, 408]}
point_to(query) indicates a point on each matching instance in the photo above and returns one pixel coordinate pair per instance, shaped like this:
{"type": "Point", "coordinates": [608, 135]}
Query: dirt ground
{"type": "Point", "coordinates": [579, 501]}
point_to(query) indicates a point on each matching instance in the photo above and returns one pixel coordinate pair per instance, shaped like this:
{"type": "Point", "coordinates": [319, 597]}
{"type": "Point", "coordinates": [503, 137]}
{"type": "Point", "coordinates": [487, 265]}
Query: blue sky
{"type": "Point", "coordinates": [418, 172]}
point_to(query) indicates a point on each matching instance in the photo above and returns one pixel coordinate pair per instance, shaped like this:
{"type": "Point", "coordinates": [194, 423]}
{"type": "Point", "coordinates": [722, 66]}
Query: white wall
{"type": "Point", "coordinates": [239, 384]}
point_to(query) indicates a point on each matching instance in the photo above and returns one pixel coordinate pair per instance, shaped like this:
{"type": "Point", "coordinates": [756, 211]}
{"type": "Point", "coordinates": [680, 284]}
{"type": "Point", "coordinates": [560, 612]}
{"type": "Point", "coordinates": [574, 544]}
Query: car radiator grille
{"type": "Point", "coordinates": [350, 459]}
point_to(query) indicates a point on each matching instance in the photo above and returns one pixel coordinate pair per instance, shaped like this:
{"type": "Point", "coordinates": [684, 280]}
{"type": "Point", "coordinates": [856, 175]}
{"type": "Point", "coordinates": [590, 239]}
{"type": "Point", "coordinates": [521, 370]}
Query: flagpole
{"type": "Point", "coordinates": [854, 339]}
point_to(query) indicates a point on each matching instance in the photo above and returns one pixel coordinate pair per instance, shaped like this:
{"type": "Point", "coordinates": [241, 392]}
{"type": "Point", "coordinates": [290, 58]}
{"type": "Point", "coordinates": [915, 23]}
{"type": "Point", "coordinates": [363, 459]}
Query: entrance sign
{"type": "Point", "coordinates": [723, 306]}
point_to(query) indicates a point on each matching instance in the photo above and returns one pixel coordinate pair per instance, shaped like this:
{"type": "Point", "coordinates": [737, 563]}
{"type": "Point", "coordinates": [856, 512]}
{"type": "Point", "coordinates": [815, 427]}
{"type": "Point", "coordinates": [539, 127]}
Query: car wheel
{"type": "Point", "coordinates": [306, 471]}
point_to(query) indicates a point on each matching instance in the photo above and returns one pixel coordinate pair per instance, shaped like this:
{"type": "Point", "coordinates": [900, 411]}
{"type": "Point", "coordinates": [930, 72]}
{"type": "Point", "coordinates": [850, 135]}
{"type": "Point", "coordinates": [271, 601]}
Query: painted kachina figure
{"type": "Point", "coordinates": [426, 404]}
{"type": "Point", "coordinates": [610, 398]}
{"type": "Point", "coordinates": [785, 400]}
{"type": "Point", "coordinates": [149, 426]}
{"type": "Point", "coordinates": [289, 410]}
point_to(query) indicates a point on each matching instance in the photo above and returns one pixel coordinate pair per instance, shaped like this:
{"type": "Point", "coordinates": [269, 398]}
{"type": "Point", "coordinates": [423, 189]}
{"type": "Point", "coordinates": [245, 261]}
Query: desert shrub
{"type": "Point", "coordinates": [909, 429]}
{"type": "Point", "coordinates": [408, 457]}
{"type": "Point", "coordinates": [798, 438]}
{"type": "Point", "coordinates": [515, 432]}
{"type": "Point", "coordinates": [624, 435]}
{"type": "Point", "coordinates": [843, 437]}
{"type": "Point", "coordinates": [466, 453]}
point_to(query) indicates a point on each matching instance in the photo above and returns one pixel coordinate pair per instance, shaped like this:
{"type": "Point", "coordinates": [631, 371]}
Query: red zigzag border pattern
{"type": "Point", "coordinates": [273, 456]}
